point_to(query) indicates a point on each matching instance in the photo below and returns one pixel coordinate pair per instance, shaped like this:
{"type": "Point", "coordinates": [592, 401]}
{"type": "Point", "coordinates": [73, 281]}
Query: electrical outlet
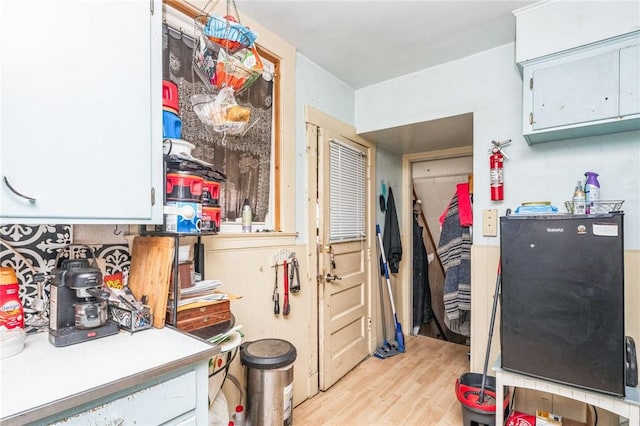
{"type": "Point", "coordinates": [490, 223]}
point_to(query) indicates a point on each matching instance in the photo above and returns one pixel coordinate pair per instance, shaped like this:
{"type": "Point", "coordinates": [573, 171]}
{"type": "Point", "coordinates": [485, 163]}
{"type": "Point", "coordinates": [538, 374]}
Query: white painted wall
{"type": "Point", "coordinates": [321, 90]}
{"type": "Point", "coordinates": [489, 85]}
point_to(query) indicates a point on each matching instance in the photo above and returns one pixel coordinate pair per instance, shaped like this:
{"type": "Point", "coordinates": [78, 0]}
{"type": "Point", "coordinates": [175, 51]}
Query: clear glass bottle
{"type": "Point", "coordinates": [579, 200]}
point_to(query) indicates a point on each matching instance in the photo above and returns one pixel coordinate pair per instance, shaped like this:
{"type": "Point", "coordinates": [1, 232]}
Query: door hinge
{"type": "Point", "coordinates": [153, 196]}
{"type": "Point", "coordinates": [152, 6]}
{"type": "Point", "coordinates": [531, 83]}
{"type": "Point", "coordinates": [531, 118]}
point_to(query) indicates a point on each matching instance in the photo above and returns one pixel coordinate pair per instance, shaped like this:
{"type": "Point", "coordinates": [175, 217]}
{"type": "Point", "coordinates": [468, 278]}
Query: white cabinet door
{"type": "Point", "coordinates": [576, 92]}
{"type": "Point", "coordinates": [589, 91]}
{"type": "Point", "coordinates": [630, 80]}
{"type": "Point", "coordinates": [80, 111]}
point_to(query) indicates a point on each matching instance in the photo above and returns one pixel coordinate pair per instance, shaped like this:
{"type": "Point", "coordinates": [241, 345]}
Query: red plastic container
{"type": "Point", "coordinates": [170, 95]}
{"type": "Point", "coordinates": [11, 311]}
{"type": "Point", "coordinates": [184, 186]}
{"type": "Point", "coordinates": [211, 192]}
{"type": "Point", "coordinates": [211, 217]}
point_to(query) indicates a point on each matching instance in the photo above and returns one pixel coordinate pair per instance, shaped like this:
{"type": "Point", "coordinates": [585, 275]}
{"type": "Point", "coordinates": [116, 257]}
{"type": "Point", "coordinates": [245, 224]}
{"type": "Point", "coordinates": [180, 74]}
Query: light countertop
{"type": "Point", "coordinates": [43, 380]}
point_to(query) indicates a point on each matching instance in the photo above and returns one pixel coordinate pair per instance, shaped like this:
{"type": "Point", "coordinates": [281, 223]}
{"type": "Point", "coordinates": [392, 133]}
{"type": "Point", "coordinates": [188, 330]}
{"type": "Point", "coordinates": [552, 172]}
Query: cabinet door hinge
{"type": "Point", "coordinates": [531, 83]}
{"type": "Point", "coordinates": [531, 118]}
{"type": "Point", "coordinates": [153, 196]}
{"type": "Point", "coordinates": [152, 6]}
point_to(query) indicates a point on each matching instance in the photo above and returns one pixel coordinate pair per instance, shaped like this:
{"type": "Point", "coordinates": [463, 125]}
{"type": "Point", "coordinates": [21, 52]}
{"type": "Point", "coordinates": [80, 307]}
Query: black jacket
{"type": "Point", "coordinates": [391, 236]}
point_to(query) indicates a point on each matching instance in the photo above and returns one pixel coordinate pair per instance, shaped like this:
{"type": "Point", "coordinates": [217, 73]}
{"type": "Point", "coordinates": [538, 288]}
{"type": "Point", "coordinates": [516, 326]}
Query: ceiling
{"type": "Point", "coordinates": [363, 42]}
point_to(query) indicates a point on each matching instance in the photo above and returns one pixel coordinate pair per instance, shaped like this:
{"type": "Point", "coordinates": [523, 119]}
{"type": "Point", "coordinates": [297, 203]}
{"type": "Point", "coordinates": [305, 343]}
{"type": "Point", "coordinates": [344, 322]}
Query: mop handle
{"type": "Point", "coordinates": [384, 266]}
{"type": "Point", "coordinates": [491, 324]}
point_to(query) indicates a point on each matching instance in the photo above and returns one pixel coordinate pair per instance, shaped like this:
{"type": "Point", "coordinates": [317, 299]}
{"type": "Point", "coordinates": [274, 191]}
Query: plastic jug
{"type": "Point", "coordinates": [11, 310]}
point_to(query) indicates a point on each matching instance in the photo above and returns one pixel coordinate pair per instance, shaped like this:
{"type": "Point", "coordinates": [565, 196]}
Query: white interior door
{"type": "Point", "coordinates": [344, 258]}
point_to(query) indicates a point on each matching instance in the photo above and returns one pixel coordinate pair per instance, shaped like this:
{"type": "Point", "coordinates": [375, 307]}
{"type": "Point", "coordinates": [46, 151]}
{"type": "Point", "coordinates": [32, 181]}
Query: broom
{"type": "Point", "coordinates": [398, 326]}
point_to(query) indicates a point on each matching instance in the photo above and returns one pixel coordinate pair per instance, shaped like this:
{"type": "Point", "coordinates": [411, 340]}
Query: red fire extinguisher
{"type": "Point", "coordinates": [497, 178]}
{"type": "Point", "coordinates": [495, 168]}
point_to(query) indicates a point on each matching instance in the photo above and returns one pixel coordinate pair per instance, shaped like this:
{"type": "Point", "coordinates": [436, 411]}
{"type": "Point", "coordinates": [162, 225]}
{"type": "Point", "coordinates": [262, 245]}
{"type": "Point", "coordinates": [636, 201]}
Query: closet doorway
{"type": "Point", "coordinates": [434, 179]}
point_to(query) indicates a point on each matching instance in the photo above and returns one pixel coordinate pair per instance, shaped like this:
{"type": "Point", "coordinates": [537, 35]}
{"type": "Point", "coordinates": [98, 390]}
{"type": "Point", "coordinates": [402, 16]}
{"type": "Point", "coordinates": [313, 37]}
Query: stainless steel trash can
{"type": "Point", "coordinates": [269, 365]}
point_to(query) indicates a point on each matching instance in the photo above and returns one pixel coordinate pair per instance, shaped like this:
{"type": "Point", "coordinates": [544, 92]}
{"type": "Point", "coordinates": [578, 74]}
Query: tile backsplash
{"type": "Point", "coordinates": [32, 249]}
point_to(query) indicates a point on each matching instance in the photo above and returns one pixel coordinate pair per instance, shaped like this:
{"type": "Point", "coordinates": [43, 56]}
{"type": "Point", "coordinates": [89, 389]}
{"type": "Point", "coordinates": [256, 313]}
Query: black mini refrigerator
{"type": "Point", "coordinates": [563, 299]}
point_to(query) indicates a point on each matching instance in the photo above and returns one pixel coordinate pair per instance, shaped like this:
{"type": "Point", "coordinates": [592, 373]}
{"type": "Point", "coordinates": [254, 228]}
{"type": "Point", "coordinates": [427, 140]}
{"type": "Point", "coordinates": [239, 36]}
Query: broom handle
{"type": "Point", "coordinates": [491, 324]}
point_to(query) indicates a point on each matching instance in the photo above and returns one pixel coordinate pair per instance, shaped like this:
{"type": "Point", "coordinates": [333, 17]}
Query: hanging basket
{"type": "Point", "coordinates": [220, 113]}
{"type": "Point", "coordinates": [218, 68]}
{"type": "Point", "coordinates": [226, 31]}
{"type": "Point", "coordinates": [237, 71]}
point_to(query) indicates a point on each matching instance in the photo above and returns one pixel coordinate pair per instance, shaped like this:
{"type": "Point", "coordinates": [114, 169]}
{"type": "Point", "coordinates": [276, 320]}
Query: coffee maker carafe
{"type": "Point", "coordinates": [79, 304]}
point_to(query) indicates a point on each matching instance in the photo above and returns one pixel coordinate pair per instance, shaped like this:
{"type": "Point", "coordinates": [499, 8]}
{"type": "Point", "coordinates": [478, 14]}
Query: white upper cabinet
{"type": "Point", "coordinates": [580, 67]}
{"type": "Point", "coordinates": [588, 91]}
{"type": "Point", "coordinates": [630, 80]}
{"type": "Point", "coordinates": [80, 111]}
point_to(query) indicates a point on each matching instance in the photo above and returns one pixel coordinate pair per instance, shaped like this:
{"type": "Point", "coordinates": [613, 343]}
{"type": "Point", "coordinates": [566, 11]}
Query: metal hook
{"type": "Point", "coordinates": [116, 232]}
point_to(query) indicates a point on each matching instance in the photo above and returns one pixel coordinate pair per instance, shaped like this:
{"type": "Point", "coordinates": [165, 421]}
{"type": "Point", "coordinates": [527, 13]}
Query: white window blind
{"type": "Point", "coordinates": [347, 192]}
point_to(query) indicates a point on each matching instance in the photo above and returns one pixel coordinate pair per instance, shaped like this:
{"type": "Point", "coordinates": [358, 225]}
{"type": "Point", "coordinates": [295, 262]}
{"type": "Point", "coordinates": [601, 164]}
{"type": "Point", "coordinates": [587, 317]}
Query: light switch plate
{"type": "Point", "coordinates": [490, 223]}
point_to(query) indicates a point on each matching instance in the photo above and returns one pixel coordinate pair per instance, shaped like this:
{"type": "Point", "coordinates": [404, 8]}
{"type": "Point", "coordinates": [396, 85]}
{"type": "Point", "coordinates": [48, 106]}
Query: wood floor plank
{"type": "Point", "coordinates": [413, 388]}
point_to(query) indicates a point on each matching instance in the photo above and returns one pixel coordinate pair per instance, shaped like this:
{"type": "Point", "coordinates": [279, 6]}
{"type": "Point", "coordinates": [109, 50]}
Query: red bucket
{"type": "Point", "coordinates": [170, 95]}
{"type": "Point", "coordinates": [468, 388]}
{"type": "Point", "coordinates": [183, 186]}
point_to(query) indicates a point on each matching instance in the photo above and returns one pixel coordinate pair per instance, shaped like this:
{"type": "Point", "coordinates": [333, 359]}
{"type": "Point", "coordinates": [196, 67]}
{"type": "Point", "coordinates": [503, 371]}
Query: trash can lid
{"type": "Point", "coordinates": [267, 354]}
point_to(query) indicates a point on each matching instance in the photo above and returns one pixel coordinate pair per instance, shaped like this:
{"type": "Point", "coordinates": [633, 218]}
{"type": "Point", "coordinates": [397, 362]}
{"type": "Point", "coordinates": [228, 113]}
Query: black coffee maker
{"type": "Point", "coordinates": [78, 304]}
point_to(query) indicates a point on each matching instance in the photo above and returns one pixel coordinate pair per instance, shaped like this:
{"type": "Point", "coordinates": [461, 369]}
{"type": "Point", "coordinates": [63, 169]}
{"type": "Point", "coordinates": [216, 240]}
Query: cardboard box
{"type": "Point", "coordinates": [545, 418]}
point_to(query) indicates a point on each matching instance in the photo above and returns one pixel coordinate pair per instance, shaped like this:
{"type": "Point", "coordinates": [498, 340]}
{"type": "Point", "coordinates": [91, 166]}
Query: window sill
{"type": "Point", "coordinates": [246, 240]}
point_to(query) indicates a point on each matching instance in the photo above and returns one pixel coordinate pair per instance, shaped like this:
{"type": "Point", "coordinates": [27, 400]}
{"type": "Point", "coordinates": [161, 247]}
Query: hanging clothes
{"type": "Point", "coordinates": [422, 309]}
{"type": "Point", "coordinates": [454, 249]}
{"type": "Point", "coordinates": [391, 236]}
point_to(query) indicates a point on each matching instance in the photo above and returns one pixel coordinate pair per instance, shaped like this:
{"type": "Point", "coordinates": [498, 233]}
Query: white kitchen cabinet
{"type": "Point", "coordinates": [630, 80]}
{"type": "Point", "coordinates": [80, 111]}
{"type": "Point", "coordinates": [151, 377]}
{"type": "Point", "coordinates": [576, 91]}
{"type": "Point", "coordinates": [159, 404]}
{"type": "Point", "coordinates": [593, 90]}
{"type": "Point", "coordinates": [548, 27]}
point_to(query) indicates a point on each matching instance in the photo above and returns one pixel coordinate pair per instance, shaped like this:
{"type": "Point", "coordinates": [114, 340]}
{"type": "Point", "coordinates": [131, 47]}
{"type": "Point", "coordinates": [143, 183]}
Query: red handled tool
{"type": "Point", "coordinates": [286, 308]}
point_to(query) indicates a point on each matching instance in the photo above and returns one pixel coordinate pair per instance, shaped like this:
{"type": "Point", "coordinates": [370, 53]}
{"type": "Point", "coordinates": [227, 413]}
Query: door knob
{"type": "Point", "coordinates": [330, 278]}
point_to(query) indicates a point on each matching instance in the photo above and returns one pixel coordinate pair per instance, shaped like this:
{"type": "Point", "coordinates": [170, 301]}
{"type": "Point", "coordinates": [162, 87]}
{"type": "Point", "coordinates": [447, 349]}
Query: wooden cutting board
{"type": "Point", "coordinates": [150, 273]}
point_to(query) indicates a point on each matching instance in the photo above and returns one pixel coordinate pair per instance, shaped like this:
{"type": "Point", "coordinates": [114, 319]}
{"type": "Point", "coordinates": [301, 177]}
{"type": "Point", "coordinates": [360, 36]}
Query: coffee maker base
{"type": "Point", "coordinates": [71, 335]}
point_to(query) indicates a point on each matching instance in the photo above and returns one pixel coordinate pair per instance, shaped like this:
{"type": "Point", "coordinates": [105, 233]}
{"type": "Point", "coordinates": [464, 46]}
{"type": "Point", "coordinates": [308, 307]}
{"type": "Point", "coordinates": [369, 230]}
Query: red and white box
{"type": "Point", "coordinates": [517, 418]}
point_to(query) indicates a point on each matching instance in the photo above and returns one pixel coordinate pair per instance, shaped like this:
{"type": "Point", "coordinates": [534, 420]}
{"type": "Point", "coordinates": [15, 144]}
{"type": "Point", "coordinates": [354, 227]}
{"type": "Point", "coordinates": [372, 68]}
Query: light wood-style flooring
{"type": "Point", "coordinates": [413, 388]}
